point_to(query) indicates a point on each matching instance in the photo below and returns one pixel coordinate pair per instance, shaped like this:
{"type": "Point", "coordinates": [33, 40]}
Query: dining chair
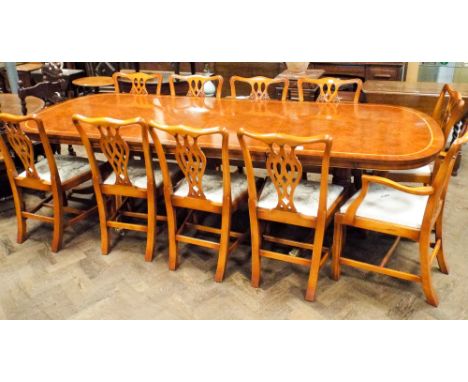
{"type": "Point", "coordinates": [51, 92]}
{"type": "Point", "coordinates": [55, 175]}
{"type": "Point", "coordinates": [385, 206]}
{"type": "Point", "coordinates": [200, 189]}
{"type": "Point", "coordinates": [128, 179]}
{"type": "Point", "coordinates": [288, 199]}
{"type": "Point", "coordinates": [259, 86]}
{"type": "Point", "coordinates": [447, 111]}
{"type": "Point", "coordinates": [329, 88]}
{"type": "Point", "coordinates": [138, 81]}
{"type": "Point", "coordinates": [197, 84]}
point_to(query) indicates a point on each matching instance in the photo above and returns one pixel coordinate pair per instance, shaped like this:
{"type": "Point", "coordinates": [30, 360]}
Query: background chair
{"type": "Point", "coordinates": [287, 199]}
{"type": "Point", "coordinates": [128, 179]}
{"type": "Point", "coordinates": [197, 84]}
{"type": "Point", "coordinates": [57, 175]}
{"type": "Point", "coordinates": [259, 86]}
{"type": "Point", "coordinates": [329, 88]}
{"type": "Point", "coordinates": [448, 111]}
{"type": "Point", "coordinates": [138, 82]}
{"type": "Point", "coordinates": [391, 208]}
{"type": "Point", "coordinates": [51, 92]}
{"type": "Point", "coordinates": [209, 191]}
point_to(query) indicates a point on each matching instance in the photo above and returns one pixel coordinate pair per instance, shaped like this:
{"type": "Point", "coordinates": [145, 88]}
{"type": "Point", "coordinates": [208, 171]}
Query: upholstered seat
{"type": "Point", "coordinates": [424, 170]}
{"type": "Point", "coordinates": [213, 186]}
{"type": "Point", "coordinates": [68, 167]}
{"type": "Point", "coordinates": [389, 205]}
{"type": "Point", "coordinates": [137, 174]}
{"type": "Point", "coordinates": [306, 196]}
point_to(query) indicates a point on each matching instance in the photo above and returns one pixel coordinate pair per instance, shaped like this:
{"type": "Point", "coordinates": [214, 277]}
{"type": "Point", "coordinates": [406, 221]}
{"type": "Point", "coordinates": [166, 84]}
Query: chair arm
{"type": "Point", "coordinates": [366, 179]}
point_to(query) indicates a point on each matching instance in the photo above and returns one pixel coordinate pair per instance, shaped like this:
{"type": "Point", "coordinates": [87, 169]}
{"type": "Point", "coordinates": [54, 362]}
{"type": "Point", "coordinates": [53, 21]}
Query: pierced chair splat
{"type": "Point", "coordinates": [138, 82]}
{"type": "Point", "coordinates": [259, 87]}
{"type": "Point", "coordinates": [329, 88]}
{"type": "Point", "coordinates": [196, 84]}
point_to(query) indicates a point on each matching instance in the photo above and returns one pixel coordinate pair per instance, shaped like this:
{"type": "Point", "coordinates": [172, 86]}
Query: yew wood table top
{"type": "Point", "coordinates": [364, 135]}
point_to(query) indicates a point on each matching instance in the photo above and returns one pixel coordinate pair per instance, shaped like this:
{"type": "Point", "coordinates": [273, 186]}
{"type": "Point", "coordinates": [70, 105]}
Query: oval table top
{"type": "Point", "coordinates": [93, 82]}
{"type": "Point", "coordinates": [365, 136]}
{"type": "Point", "coordinates": [11, 103]}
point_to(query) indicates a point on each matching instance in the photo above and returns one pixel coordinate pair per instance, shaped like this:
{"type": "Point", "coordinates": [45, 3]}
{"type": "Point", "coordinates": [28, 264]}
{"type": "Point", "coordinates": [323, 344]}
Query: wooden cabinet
{"type": "Point", "coordinates": [389, 71]}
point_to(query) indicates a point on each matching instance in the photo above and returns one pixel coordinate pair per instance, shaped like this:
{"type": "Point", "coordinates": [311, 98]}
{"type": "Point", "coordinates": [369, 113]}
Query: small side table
{"type": "Point", "coordinates": [93, 82]}
{"type": "Point", "coordinates": [309, 93]}
{"type": "Point", "coordinates": [11, 103]}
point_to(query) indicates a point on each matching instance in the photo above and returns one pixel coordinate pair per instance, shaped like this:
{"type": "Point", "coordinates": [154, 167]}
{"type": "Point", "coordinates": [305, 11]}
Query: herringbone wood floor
{"type": "Point", "coordinates": [80, 283]}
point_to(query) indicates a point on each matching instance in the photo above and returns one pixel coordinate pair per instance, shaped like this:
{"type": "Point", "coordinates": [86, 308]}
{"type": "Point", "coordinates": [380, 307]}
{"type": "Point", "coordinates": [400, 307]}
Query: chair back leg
{"type": "Point", "coordinates": [224, 240]}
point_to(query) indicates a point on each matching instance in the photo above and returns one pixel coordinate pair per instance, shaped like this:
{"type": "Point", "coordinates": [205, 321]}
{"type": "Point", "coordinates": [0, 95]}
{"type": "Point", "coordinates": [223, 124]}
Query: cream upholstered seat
{"type": "Point", "coordinates": [389, 205]}
{"type": "Point", "coordinates": [306, 196]}
{"type": "Point", "coordinates": [424, 170]}
{"type": "Point", "coordinates": [137, 174]}
{"type": "Point", "coordinates": [212, 183]}
{"type": "Point", "coordinates": [68, 167]}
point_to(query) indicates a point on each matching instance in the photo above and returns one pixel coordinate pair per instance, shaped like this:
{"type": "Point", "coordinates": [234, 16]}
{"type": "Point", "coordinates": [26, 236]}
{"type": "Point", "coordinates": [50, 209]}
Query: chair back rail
{"type": "Point", "coordinates": [138, 81]}
{"type": "Point", "coordinates": [196, 84]}
{"type": "Point", "coordinates": [259, 86]}
{"type": "Point", "coordinates": [328, 88]}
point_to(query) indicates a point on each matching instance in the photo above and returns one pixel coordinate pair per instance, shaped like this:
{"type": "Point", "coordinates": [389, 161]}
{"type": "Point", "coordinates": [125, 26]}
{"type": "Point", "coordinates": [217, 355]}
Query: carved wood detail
{"type": "Point", "coordinates": [285, 172]}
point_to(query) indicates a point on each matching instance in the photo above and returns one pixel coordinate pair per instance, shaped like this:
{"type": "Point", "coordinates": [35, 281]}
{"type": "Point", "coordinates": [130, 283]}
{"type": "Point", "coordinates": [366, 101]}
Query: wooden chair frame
{"type": "Point", "coordinates": [433, 219]}
{"type": "Point", "coordinates": [196, 84]}
{"type": "Point", "coordinates": [285, 172]}
{"type": "Point", "coordinates": [447, 111]}
{"type": "Point", "coordinates": [259, 86]}
{"type": "Point", "coordinates": [329, 88]}
{"type": "Point", "coordinates": [192, 162]}
{"type": "Point", "coordinates": [138, 80]}
{"type": "Point", "coordinates": [112, 199]}
{"type": "Point", "coordinates": [59, 192]}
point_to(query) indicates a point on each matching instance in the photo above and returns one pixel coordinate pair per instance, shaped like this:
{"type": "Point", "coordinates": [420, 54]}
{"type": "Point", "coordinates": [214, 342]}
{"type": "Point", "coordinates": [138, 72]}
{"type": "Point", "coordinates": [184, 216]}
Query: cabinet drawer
{"type": "Point", "coordinates": [389, 73]}
{"type": "Point", "coordinates": [335, 70]}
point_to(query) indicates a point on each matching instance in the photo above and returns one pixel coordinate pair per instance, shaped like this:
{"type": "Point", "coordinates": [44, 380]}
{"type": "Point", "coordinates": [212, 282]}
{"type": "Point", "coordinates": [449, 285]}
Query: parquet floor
{"type": "Point", "coordinates": [80, 283]}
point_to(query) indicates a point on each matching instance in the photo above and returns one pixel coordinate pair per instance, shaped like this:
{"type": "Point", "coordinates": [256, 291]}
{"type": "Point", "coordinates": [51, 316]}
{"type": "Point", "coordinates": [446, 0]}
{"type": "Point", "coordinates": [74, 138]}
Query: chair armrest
{"type": "Point", "coordinates": [366, 179]}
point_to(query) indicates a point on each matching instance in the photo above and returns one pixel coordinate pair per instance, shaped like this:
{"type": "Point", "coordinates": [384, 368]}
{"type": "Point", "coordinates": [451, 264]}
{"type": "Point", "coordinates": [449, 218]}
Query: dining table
{"type": "Point", "coordinates": [365, 136]}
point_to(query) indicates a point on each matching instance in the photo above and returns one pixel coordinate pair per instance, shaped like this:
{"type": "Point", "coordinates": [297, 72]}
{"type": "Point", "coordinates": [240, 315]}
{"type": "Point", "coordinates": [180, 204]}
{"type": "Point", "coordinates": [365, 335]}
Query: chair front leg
{"type": "Point", "coordinates": [224, 242]}
{"type": "Point", "coordinates": [426, 279]}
